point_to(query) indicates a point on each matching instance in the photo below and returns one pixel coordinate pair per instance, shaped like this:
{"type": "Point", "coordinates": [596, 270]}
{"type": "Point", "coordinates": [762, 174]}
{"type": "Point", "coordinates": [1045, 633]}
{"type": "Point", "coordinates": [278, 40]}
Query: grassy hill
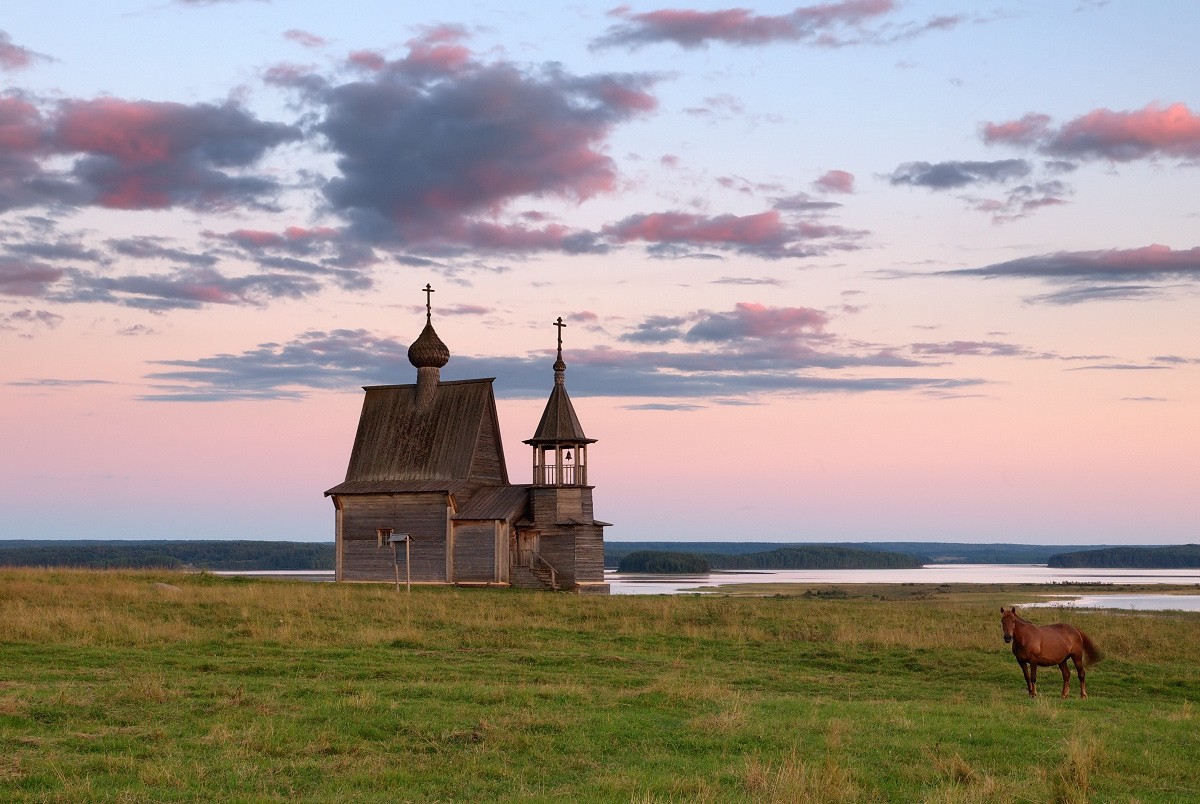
{"type": "Point", "coordinates": [134, 686]}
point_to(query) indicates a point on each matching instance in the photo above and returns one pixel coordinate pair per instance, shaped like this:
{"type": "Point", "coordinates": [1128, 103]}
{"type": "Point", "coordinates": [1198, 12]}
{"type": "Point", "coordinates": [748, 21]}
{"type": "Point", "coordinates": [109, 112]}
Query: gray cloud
{"type": "Point", "coordinates": [432, 148]}
{"type": "Point", "coordinates": [135, 154]}
{"type": "Point", "coordinates": [748, 351]}
{"type": "Point", "coordinates": [835, 24]}
{"type": "Point", "coordinates": [953, 175]}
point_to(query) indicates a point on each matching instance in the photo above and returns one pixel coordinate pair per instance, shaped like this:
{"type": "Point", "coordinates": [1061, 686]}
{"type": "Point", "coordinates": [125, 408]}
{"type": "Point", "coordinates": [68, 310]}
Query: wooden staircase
{"type": "Point", "coordinates": [538, 575]}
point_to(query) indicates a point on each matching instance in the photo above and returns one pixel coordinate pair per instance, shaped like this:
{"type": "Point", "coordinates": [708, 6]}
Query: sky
{"type": "Point", "coordinates": [858, 270]}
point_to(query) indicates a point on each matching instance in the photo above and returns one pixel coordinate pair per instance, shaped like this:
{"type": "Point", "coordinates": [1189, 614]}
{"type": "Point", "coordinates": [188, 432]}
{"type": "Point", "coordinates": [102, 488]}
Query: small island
{"type": "Point", "coordinates": [807, 557]}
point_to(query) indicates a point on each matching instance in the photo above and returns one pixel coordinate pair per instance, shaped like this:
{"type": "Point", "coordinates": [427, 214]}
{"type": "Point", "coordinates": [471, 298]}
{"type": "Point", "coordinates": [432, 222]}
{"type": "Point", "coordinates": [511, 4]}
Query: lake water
{"type": "Point", "coordinates": [638, 584]}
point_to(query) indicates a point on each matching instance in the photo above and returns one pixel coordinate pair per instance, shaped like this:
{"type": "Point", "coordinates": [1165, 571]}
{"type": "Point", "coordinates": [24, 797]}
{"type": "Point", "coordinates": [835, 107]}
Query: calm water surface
{"type": "Point", "coordinates": [637, 584]}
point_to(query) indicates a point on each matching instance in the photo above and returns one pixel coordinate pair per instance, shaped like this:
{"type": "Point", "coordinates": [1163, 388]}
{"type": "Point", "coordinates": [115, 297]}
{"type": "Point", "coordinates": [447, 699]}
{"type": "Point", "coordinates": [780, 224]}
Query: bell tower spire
{"type": "Point", "coordinates": [559, 444]}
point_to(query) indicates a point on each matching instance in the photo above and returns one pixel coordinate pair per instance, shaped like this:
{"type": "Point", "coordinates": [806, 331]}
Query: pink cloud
{"type": "Point", "coordinates": [439, 49]}
{"type": "Point", "coordinates": [835, 181]}
{"type": "Point", "coordinates": [765, 234]}
{"type": "Point", "coordinates": [681, 227]}
{"type": "Point", "coordinates": [756, 320]}
{"type": "Point", "coordinates": [20, 125]}
{"type": "Point", "coordinates": [290, 237]}
{"type": "Point", "coordinates": [305, 38]}
{"type": "Point", "coordinates": [1155, 130]}
{"type": "Point", "coordinates": [367, 60]}
{"type": "Point", "coordinates": [151, 155]}
{"type": "Point", "coordinates": [1026, 131]}
{"type": "Point", "coordinates": [14, 57]}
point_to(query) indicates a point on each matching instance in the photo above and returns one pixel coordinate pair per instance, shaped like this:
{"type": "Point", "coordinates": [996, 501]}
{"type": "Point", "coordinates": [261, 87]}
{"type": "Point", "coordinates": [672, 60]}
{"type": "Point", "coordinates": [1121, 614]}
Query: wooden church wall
{"type": "Point", "coordinates": [423, 516]}
{"type": "Point", "coordinates": [589, 555]}
{"type": "Point", "coordinates": [475, 552]}
{"type": "Point", "coordinates": [554, 504]}
{"type": "Point", "coordinates": [558, 548]}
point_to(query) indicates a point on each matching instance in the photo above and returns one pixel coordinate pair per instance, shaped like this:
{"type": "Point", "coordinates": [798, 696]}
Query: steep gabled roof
{"type": "Point", "coordinates": [559, 423]}
{"type": "Point", "coordinates": [400, 442]}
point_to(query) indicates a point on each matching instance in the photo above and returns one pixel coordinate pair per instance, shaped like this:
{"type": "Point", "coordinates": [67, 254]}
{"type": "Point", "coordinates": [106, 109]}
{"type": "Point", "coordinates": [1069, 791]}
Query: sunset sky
{"type": "Point", "coordinates": [863, 270]}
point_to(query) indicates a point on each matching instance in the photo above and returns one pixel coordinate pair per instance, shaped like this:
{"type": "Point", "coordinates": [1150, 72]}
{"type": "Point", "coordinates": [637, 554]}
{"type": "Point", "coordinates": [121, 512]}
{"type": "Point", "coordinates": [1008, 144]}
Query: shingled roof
{"type": "Point", "coordinates": [496, 502]}
{"type": "Point", "coordinates": [559, 424]}
{"type": "Point", "coordinates": [400, 443]}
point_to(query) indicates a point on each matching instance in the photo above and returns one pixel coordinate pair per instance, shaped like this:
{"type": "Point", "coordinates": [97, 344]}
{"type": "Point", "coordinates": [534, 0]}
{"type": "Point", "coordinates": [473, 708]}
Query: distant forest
{"type": "Point", "coordinates": [1182, 556]}
{"type": "Point", "coordinates": [927, 552]}
{"type": "Point", "coordinates": [808, 557]}
{"type": "Point", "coordinates": [653, 556]}
{"type": "Point", "coordinates": [199, 555]}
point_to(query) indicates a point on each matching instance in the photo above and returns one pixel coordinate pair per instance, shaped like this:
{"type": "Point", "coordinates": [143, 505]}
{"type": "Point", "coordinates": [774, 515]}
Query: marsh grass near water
{"type": "Point", "coordinates": [123, 686]}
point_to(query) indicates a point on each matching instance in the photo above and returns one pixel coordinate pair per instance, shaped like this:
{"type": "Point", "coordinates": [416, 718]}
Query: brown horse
{"type": "Point", "coordinates": [1047, 645]}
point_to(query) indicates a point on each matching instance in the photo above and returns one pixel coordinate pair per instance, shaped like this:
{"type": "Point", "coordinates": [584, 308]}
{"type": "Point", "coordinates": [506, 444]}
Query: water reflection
{"type": "Point", "coordinates": [638, 584]}
{"type": "Point", "coordinates": [1127, 602]}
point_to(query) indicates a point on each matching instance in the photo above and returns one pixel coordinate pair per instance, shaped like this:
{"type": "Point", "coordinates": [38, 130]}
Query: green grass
{"type": "Point", "coordinates": [114, 689]}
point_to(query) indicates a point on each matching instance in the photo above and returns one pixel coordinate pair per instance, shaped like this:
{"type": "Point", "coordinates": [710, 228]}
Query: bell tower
{"type": "Point", "coordinates": [560, 453]}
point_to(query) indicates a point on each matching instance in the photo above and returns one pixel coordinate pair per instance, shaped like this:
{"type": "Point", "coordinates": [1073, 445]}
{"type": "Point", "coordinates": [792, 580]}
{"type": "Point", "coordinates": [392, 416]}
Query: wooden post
{"type": "Point", "coordinates": [395, 564]}
{"type": "Point", "coordinates": [407, 539]}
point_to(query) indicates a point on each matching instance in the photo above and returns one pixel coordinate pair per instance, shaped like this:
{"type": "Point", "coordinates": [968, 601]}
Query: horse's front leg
{"type": "Point", "coordinates": [1030, 673]}
{"type": "Point", "coordinates": [1066, 673]}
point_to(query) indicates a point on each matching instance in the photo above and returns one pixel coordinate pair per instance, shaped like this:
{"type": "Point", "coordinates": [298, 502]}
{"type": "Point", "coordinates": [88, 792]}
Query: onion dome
{"type": "Point", "coordinates": [428, 351]}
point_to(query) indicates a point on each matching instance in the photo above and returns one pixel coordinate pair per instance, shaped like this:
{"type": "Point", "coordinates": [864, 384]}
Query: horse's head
{"type": "Point", "coordinates": [1008, 621]}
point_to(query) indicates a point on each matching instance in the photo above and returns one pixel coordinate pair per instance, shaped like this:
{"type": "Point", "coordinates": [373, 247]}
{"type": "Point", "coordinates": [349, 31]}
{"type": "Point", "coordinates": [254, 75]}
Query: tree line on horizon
{"type": "Point", "coordinates": [246, 556]}
{"type": "Point", "coordinates": [808, 557]}
{"type": "Point", "coordinates": [250, 556]}
{"type": "Point", "coordinates": [1180, 556]}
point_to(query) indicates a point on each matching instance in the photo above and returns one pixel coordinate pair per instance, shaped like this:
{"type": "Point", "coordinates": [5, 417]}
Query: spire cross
{"type": "Point", "coordinates": [428, 301]}
{"type": "Point", "coordinates": [559, 323]}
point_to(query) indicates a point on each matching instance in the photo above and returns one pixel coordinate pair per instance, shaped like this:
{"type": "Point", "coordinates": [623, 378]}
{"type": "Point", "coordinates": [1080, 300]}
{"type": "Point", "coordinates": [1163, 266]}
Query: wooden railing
{"type": "Point", "coordinates": [572, 475]}
{"type": "Point", "coordinates": [537, 557]}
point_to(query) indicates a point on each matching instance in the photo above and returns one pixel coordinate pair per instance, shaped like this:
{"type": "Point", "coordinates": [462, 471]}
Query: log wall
{"type": "Point", "coordinates": [555, 504]}
{"type": "Point", "coordinates": [475, 552]}
{"type": "Point", "coordinates": [423, 516]}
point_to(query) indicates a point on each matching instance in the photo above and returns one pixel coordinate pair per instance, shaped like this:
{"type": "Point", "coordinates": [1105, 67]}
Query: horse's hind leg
{"type": "Point", "coordinates": [1066, 673]}
{"type": "Point", "coordinates": [1079, 671]}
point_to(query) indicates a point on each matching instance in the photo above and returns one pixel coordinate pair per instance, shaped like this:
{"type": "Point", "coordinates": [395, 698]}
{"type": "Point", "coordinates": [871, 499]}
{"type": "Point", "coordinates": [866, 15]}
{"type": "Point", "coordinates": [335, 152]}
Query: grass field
{"type": "Point", "coordinates": [115, 687]}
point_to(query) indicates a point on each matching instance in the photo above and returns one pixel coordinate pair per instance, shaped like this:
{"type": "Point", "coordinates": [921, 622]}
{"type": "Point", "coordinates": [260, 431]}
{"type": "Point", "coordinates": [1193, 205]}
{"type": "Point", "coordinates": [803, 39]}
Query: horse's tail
{"type": "Point", "coordinates": [1091, 654]}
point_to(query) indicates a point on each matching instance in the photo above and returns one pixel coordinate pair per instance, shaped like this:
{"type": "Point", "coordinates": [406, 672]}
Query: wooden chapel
{"type": "Point", "coordinates": [427, 470]}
